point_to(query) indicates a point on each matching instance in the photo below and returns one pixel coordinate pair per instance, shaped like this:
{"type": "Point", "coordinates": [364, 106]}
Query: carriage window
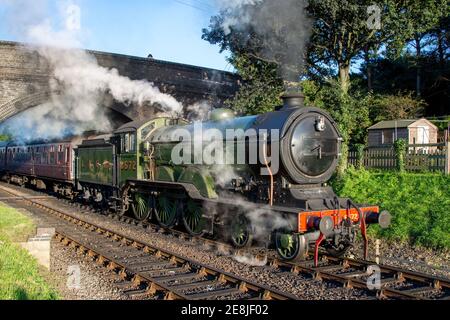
{"type": "Point", "coordinates": [52, 157]}
{"type": "Point", "coordinates": [60, 154]}
{"type": "Point", "coordinates": [60, 157]}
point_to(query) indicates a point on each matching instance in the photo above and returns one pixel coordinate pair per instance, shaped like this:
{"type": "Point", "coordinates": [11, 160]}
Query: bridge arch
{"type": "Point", "coordinates": [22, 103]}
{"type": "Point", "coordinates": [24, 79]}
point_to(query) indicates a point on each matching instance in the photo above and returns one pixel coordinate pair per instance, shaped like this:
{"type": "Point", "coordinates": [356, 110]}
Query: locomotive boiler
{"type": "Point", "coordinates": [250, 178]}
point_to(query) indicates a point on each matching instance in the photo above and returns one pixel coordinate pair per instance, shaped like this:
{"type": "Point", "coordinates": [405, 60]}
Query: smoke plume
{"type": "Point", "coordinates": [78, 85]}
{"type": "Point", "coordinates": [250, 260]}
{"type": "Point", "coordinates": [278, 30]}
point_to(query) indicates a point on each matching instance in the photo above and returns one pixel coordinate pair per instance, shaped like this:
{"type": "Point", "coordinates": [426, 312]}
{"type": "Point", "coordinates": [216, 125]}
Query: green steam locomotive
{"type": "Point", "coordinates": [254, 178]}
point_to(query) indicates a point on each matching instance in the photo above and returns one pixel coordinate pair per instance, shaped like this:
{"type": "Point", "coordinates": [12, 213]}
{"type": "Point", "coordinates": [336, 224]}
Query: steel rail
{"type": "Point", "coordinates": [239, 284]}
{"type": "Point", "coordinates": [348, 280]}
{"type": "Point", "coordinates": [325, 272]}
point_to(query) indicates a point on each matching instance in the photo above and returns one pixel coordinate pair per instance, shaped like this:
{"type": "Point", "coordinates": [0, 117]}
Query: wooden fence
{"type": "Point", "coordinates": [418, 158]}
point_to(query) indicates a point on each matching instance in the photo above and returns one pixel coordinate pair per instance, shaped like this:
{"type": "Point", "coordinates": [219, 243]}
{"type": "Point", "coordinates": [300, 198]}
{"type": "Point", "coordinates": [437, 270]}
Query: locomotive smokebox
{"type": "Point", "coordinates": [293, 100]}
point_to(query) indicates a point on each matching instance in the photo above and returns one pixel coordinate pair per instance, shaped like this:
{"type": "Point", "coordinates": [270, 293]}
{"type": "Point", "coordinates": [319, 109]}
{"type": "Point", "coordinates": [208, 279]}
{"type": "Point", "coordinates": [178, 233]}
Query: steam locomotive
{"type": "Point", "coordinates": [133, 170]}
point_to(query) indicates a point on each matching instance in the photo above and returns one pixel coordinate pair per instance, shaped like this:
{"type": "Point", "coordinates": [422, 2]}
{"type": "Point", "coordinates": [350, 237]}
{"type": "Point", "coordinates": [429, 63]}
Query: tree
{"type": "Point", "coordinates": [442, 38]}
{"type": "Point", "coordinates": [343, 29]}
{"type": "Point", "coordinates": [417, 18]}
{"type": "Point", "coordinates": [343, 32]}
{"type": "Point", "coordinates": [350, 111]}
{"type": "Point", "coordinates": [275, 32]}
{"type": "Point", "coordinates": [261, 89]}
{"type": "Point", "coordinates": [390, 77]}
{"type": "Point", "coordinates": [399, 106]}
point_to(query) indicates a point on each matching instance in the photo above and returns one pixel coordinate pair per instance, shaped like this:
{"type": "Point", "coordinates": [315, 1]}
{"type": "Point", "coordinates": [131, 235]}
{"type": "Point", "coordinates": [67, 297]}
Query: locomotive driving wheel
{"type": "Point", "coordinates": [141, 207]}
{"type": "Point", "coordinates": [193, 219]}
{"type": "Point", "coordinates": [241, 232]}
{"type": "Point", "coordinates": [166, 211]}
{"type": "Point", "coordinates": [289, 246]}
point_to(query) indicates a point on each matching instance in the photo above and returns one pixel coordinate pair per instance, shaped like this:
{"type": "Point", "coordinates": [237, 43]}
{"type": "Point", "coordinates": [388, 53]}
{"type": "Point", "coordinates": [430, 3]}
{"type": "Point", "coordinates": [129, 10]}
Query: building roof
{"type": "Point", "coordinates": [392, 124]}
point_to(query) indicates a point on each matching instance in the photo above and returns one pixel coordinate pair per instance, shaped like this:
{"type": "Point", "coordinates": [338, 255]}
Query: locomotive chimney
{"type": "Point", "coordinates": [293, 100]}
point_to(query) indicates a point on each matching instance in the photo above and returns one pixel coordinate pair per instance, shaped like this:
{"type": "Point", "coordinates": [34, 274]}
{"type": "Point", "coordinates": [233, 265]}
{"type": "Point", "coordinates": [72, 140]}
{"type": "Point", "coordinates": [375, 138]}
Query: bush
{"type": "Point", "coordinates": [400, 106]}
{"type": "Point", "coordinates": [419, 203]}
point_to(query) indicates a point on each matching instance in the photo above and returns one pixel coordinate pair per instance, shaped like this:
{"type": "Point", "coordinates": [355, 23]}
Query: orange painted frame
{"type": "Point", "coordinates": [337, 215]}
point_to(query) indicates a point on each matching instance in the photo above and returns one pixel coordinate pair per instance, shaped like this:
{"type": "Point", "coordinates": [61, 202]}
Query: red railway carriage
{"type": "Point", "coordinates": [35, 162]}
{"type": "Point", "coordinates": [54, 161]}
{"type": "Point", "coordinates": [20, 160]}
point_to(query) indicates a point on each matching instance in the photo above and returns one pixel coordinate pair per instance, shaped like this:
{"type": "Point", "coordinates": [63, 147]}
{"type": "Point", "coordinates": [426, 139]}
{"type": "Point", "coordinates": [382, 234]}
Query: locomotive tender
{"type": "Point", "coordinates": [133, 169]}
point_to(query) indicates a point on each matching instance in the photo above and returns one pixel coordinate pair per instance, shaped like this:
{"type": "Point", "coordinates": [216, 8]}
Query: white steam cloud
{"type": "Point", "coordinates": [282, 30]}
{"type": "Point", "coordinates": [78, 85]}
{"type": "Point", "coordinates": [251, 260]}
{"type": "Point", "coordinates": [236, 15]}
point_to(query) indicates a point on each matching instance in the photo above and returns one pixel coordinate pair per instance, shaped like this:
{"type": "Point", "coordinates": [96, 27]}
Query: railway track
{"type": "Point", "coordinates": [154, 271]}
{"type": "Point", "coordinates": [147, 270]}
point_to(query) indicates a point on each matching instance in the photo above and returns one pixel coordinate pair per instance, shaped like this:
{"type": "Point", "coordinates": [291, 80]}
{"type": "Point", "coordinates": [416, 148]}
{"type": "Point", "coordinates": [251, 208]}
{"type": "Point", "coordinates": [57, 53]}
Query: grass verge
{"type": "Point", "coordinates": [419, 203]}
{"type": "Point", "coordinates": [20, 278]}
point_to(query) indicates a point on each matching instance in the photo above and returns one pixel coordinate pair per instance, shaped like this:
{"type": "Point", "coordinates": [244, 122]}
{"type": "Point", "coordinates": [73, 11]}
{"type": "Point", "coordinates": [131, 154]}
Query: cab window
{"type": "Point", "coordinates": [132, 143]}
{"type": "Point", "coordinates": [147, 130]}
{"type": "Point", "coordinates": [128, 143]}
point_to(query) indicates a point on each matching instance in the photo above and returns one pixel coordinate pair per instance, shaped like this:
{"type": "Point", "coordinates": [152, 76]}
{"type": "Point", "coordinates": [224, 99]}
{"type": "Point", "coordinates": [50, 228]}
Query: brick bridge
{"type": "Point", "coordinates": [24, 78]}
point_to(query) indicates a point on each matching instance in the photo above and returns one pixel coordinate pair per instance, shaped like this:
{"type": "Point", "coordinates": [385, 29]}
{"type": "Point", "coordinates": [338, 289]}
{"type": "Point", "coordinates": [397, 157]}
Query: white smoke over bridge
{"type": "Point", "coordinates": [78, 85]}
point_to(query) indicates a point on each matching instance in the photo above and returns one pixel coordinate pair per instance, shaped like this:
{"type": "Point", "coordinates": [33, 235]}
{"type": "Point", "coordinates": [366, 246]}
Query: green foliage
{"type": "Point", "coordinates": [360, 148]}
{"type": "Point", "coordinates": [349, 110]}
{"type": "Point", "coordinates": [19, 272]}
{"type": "Point", "coordinates": [413, 19]}
{"type": "Point", "coordinates": [419, 203]}
{"type": "Point", "coordinates": [261, 88]}
{"type": "Point", "coordinates": [398, 77]}
{"type": "Point", "coordinates": [5, 137]}
{"type": "Point", "coordinates": [399, 106]}
{"type": "Point", "coordinates": [400, 148]}
{"type": "Point", "coordinates": [340, 32]}
{"type": "Point", "coordinates": [340, 36]}
{"type": "Point", "coordinates": [441, 124]}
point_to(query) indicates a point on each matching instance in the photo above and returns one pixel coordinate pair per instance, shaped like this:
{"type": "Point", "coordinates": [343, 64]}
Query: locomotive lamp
{"type": "Point", "coordinates": [320, 124]}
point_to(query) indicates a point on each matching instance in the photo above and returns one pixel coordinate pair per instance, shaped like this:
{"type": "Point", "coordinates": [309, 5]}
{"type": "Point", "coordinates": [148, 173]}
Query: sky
{"type": "Point", "coordinates": [168, 29]}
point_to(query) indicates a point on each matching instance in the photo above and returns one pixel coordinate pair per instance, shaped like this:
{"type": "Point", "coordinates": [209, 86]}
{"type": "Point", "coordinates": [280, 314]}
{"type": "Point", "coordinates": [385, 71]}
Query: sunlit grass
{"type": "Point", "coordinates": [19, 272]}
{"type": "Point", "coordinates": [419, 203]}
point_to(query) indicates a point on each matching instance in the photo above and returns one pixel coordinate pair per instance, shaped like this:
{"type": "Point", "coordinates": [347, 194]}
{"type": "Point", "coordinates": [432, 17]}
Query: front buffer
{"type": "Point", "coordinates": [335, 230]}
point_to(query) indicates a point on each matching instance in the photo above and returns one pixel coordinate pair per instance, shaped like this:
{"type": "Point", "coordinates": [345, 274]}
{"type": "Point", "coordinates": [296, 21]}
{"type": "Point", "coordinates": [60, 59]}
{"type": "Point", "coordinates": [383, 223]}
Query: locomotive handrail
{"type": "Point", "coordinates": [350, 204]}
